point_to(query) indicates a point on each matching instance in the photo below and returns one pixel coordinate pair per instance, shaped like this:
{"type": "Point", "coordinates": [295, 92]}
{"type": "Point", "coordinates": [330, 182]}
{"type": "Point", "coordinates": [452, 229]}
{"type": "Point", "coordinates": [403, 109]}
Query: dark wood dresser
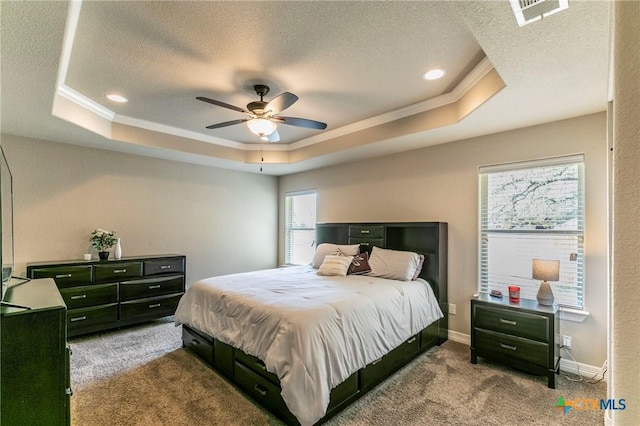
{"type": "Point", "coordinates": [107, 294]}
{"type": "Point", "coordinates": [34, 358]}
{"type": "Point", "coordinates": [521, 335]}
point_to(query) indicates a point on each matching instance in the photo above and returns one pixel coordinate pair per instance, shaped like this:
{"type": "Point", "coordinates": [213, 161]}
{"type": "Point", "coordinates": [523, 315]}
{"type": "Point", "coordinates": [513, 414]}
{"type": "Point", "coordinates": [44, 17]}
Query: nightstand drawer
{"type": "Point", "coordinates": [117, 270]}
{"type": "Point", "coordinates": [517, 323]}
{"type": "Point", "coordinates": [136, 289]}
{"type": "Point", "coordinates": [90, 295]}
{"type": "Point", "coordinates": [366, 231]}
{"type": "Point", "coordinates": [502, 345]}
{"type": "Point", "coordinates": [64, 276]}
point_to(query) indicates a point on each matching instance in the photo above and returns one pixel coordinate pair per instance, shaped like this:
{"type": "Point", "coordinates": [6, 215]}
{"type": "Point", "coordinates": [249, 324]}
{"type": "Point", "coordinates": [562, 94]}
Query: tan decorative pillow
{"type": "Point", "coordinates": [335, 265]}
{"type": "Point", "coordinates": [393, 264]}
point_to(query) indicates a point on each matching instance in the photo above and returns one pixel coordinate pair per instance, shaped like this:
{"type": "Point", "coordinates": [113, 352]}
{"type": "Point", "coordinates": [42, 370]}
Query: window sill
{"type": "Point", "coordinates": [574, 315]}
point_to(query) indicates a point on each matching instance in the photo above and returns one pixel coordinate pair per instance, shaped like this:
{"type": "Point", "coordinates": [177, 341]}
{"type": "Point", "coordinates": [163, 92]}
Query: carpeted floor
{"type": "Point", "coordinates": [142, 376]}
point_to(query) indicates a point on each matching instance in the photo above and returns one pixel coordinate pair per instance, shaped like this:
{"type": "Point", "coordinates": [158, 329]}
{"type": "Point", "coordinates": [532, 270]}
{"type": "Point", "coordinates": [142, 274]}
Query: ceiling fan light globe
{"type": "Point", "coordinates": [261, 126]}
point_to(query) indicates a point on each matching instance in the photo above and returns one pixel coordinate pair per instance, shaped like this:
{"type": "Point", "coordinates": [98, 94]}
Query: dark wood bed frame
{"type": "Point", "coordinates": [249, 373]}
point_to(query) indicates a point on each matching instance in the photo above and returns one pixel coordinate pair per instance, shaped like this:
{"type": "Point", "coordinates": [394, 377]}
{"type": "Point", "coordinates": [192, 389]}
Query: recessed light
{"type": "Point", "coordinates": [434, 74]}
{"type": "Point", "coordinates": [117, 98]}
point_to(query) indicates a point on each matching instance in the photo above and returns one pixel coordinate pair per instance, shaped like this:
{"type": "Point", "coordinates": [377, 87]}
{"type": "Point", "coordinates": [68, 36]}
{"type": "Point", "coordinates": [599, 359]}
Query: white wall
{"type": "Point", "coordinates": [223, 221]}
{"type": "Point", "coordinates": [625, 288]}
{"type": "Point", "coordinates": [440, 183]}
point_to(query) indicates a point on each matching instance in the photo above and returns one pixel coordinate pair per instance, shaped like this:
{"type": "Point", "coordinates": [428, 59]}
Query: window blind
{"type": "Point", "coordinates": [533, 210]}
{"type": "Point", "coordinates": [300, 225]}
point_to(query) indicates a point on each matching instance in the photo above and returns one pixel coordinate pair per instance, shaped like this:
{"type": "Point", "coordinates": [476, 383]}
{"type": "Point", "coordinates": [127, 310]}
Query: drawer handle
{"type": "Point", "coordinates": [376, 361]}
{"type": "Point", "coordinates": [151, 287]}
{"type": "Point", "coordinates": [157, 305]}
{"type": "Point", "coordinates": [165, 267]}
{"type": "Point", "coordinates": [364, 231]}
{"type": "Point", "coordinates": [68, 391]}
{"type": "Point", "coordinates": [63, 276]}
{"type": "Point", "coordinates": [511, 348]}
{"type": "Point", "coordinates": [260, 389]}
{"type": "Point", "coordinates": [504, 321]}
{"type": "Point", "coordinates": [119, 271]}
{"type": "Point", "coordinates": [364, 244]}
{"type": "Point", "coordinates": [80, 296]}
{"type": "Point", "coordinates": [78, 319]}
{"type": "Point", "coordinates": [195, 342]}
{"type": "Point", "coordinates": [413, 339]}
{"type": "Point", "coordinates": [261, 365]}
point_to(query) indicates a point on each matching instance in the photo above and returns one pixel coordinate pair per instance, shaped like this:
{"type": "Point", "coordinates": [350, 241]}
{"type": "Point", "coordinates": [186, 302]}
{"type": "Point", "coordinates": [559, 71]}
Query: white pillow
{"type": "Point", "coordinates": [393, 264]}
{"type": "Point", "coordinates": [335, 265]}
{"type": "Point", "coordinates": [328, 248]}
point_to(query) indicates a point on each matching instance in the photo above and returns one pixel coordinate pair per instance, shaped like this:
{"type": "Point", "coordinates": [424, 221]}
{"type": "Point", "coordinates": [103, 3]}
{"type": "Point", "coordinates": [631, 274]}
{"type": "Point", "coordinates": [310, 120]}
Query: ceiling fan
{"type": "Point", "coordinates": [263, 115]}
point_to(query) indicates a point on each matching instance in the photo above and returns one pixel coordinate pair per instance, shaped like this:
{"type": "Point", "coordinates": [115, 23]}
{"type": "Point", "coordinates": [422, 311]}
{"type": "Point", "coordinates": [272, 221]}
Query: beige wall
{"type": "Point", "coordinates": [625, 288]}
{"type": "Point", "coordinates": [440, 183]}
{"type": "Point", "coordinates": [223, 221]}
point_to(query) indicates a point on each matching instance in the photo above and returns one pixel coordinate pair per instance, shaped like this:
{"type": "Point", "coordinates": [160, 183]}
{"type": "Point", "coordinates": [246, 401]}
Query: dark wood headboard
{"type": "Point", "coordinates": [428, 238]}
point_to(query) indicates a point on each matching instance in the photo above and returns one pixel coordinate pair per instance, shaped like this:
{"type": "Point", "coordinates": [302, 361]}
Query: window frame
{"type": "Point", "coordinates": [288, 197]}
{"type": "Point", "coordinates": [484, 233]}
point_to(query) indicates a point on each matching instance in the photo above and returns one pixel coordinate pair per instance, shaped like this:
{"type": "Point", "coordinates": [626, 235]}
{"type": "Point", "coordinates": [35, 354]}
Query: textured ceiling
{"type": "Point", "coordinates": [354, 65]}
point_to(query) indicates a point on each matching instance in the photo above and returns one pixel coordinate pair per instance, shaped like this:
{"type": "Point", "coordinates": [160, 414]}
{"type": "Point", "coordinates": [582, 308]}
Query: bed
{"type": "Point", "coordinates": [307, 341]}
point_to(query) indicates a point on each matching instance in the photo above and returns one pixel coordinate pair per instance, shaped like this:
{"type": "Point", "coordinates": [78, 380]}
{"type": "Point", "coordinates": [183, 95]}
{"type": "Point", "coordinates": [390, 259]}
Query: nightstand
{"type": "Point", "coordinates": [521, 335]}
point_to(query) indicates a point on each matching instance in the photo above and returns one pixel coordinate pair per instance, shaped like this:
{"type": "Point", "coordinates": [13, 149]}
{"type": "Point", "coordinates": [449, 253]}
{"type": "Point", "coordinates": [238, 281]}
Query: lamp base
{"type": "Point", "coordinates": [545, 294]}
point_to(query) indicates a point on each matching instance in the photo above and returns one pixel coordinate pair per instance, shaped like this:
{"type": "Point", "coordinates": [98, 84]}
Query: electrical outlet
{"type": "Point", "coordinates": [452, 308]}
{"type": "Point", "coordinates": [567, 341]}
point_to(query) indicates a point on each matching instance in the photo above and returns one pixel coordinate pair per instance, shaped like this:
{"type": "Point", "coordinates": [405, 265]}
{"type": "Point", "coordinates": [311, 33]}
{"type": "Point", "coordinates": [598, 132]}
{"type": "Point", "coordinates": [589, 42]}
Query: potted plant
{"type": "Point", "coordinates": [102, 241]}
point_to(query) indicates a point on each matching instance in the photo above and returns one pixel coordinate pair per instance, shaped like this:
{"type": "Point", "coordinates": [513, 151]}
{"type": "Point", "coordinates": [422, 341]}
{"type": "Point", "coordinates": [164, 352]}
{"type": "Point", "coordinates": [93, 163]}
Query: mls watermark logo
{"type": "Point", "coordinates": [589, 404]}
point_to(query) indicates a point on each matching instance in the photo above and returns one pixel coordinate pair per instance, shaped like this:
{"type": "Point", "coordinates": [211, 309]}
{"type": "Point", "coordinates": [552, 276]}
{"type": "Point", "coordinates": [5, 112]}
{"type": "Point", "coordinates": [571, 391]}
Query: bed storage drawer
{"type": "Point", "coordinates": [430, 335]}
{"type": "Point", "coordinates": [343, 391]}
{"type": "Point", "coordinates": [378, 370]}
{"type": "Point", "coordinates": [263, 391]}
{"type": "Point", "coordinates": [256, 365]}
{"type": "Point", "coordinates": [87, 319]}
{"type": "Point", "coordinates": [89, 295]}
{"type": "Point", "coordinates": [159, 286]}
{"type": "Point", "coordinates": [117, 270]}
{"type": "Point", "coordinates": [150, 308]}
{"type": "Point", "coordinates": [164, 266]}
{"type": "Point", "coordinates": [198, 344]}
{"type": "Point", "coordinates": [501, 345]}
{"type": "Point", "coordinates": [64, 276]}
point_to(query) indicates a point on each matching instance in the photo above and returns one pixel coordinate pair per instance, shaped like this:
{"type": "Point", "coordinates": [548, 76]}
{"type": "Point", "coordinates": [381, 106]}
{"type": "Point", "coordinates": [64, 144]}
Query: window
{"type": "Point", "coordinates": [300, 227]}
{"type": "Point", "coordinates": [533, 210]}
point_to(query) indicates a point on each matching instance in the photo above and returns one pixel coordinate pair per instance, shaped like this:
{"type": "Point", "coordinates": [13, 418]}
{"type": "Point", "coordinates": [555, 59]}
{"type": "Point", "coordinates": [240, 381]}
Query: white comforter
{"type": "Point", "coordinates": [311, 331]}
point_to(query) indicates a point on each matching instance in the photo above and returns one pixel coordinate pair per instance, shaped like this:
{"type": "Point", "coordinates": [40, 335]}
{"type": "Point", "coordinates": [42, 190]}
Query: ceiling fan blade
{"type": "Point", "coordinates": [281, 102]}
{"type": "Point", "coordinates": [301, 122]}
{"type": "Point", "coordinates": [227, 123]}
{"type": "Point", "coordinates": [221, 104]}
{"type": "Point", "coordinates": [274, 137]}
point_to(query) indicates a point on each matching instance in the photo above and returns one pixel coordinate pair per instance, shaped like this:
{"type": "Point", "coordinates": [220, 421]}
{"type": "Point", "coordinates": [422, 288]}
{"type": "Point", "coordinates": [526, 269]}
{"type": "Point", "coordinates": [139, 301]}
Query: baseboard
{"type": "Point", "coordinates": [566, 365]}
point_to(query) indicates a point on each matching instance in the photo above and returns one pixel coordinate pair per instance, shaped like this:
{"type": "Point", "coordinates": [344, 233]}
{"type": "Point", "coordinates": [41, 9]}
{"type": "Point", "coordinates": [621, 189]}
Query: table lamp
{"type": "Point", "coordinates": [545, 270]}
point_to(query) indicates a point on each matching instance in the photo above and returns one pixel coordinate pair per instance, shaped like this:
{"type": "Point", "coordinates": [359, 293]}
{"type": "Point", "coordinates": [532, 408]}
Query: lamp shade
{"type": "Point", "coordinates": [546, 270]}
{"type": "Point", "coordinates": [261, 126]}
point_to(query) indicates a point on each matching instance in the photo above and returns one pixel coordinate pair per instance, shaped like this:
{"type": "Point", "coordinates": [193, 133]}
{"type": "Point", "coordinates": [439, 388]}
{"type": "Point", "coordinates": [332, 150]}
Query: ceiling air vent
{"type": "Point", "coordinates": [528, 11]}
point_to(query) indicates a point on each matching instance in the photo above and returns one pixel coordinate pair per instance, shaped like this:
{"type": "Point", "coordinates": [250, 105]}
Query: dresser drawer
{"type": "Point", "coordinates": [256, 365]}
{"type": "Point", "coordinates": [375, 372]}
{"type": "Point", "coordinates": [79, 320]}
{"type": "Point", "coordinates": [366, 231]}
{"type": "Point", "coordinates": [151, 287]}
{"type": "Point", "coordinates": [517, 323]}
{"type": "Point", "coordinates": [164, 266]}
{"type": "Point", "coordinates": [116, 271]}
{"type": "Point", "coordinates": [149, 308]}
{"type": "Point", "coordinates": [64, 276]}
{"type": "Point", "coordinates": [90, 295]}
{"type": "Point", "coordinates": [499, 345]}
